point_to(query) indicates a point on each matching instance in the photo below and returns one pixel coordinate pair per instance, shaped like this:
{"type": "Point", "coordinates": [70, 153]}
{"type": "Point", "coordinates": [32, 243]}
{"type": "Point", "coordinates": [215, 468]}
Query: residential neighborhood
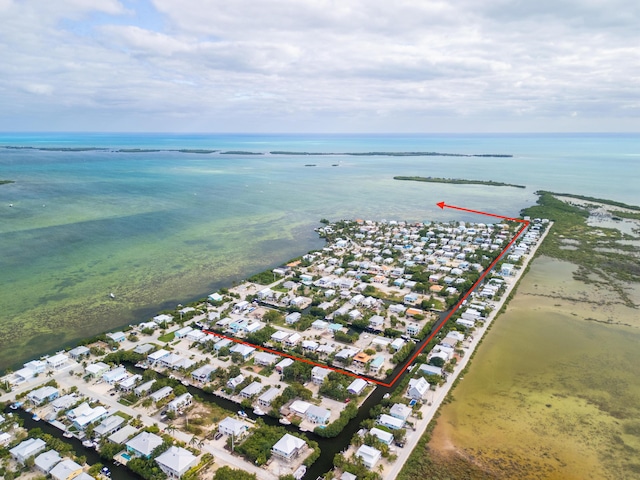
{"type": "Point", "coordinates": [153, 395]}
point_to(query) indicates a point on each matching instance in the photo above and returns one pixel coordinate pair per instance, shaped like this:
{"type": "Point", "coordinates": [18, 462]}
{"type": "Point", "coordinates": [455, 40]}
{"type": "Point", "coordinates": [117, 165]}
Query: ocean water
{"type": "Point", "coordinates": [165, 227]}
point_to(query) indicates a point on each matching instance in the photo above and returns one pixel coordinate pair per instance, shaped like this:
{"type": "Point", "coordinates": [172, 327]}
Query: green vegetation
{"type": "Point", "coordinates": [228, 473]}
{"type": "Point", "coordinates": [257, 447]}
{"type": "Point", "coordinates": [613, 203]}
{"type": "Point", "coordinates": [334, 429]}
{"type": "Point", "coordinates": [597, 255]}
{"type": "Point", "coordinates": [167, 337]}
{"type": "Point", "coordinates": [5, 182]}
{"type": "Point", "coordinates": [263, 278]}
{"type": "Point", "coordinates": [458, 181]}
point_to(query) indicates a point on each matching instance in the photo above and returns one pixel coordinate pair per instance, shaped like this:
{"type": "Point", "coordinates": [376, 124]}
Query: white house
{"type": "Point", "coordinates": [417, 388]}
{"type": "Point", "coordinates": [203, 374]}
{"type": "Point", "coordinates": [267, 397]}
{"type": "Point", "coordinates": [384, 437]}
{"type": "Point", "coordinates": [369, 455]}
{"type": "Point", "coordinates": [164, 392]}
{"type": "Point", "coordinates": [400, 411]}
{"type": "Point", "coordinates": [318, 415]}
{"type": "Point", "coordinates": [57, 361]}
{"type": "Point", "coordinates": [288, 447]}
{"type": "Point", "coordinates": [116, 336]}
{"type": "Point", "coordinates": [43, 394]}
{"type": "Point", "coordinates": [231, 426]}
{"type": "Point", "coordinates": [357, 386]}
{"type": "Point", "coordinates": [318, 374]}
{"type": "Point", "coordinates": [251, 390]}
{"type": "Point", "coordinates": [47, 460]}
{"type": "Point", "coordinates": [65, 470]}
{"type": "Point", "coordinates": [27, 449]}
{"type": "Point", "coordinates": [176, 461]}
{"type": "Point", "coordinates": [180, 402]}
{"type": "Point", "coordinates": [390, 422]}
{"type": "Point", "coordinates": [265, 359]}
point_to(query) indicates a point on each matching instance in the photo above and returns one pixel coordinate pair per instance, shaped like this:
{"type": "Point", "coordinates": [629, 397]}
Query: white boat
{"type": "Point", "coordinates": [88, 444]}
{"type": "Point", "coordinates": [241, 413]}
{"type": "Point", "coordinates": [36, 418]}
{"type": "Point", "coordinates": [258, 411]}
{"type": "Point", "coordinates": [285, 421]}
{"type": "Point", "coordinates": [67, 434]}
{"type": "Point", "coordinates": [112, 295]}
{"type": "Point", "coordinates": [299, 473]}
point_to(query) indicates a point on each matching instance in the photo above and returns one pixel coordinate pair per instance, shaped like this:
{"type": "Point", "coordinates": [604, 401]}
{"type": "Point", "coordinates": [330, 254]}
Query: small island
{"type": "Point", "coordinates": [458, 181]}
{"type": "Point", "coordinates": [4, 182]}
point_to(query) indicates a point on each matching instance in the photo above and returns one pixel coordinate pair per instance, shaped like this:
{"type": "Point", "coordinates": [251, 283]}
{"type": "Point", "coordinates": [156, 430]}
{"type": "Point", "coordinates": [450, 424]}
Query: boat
{"type": "Point", "coordinates": [15, 406]}
{"type": "Point", "coordinates": [28, 409]}
{"type": "Point", "coordinates": [285, 421]}
{"type": "Point", "coordinates": [241, 413]}
{"type": "Point", "coordinates": [67, 434]}
{"type": "Point", "coordinates": [258, 411]}
{"type": "Point", "coordinates": [88, 444]}
{"type": "Point", "coordinates": [299, 473]}
{"type": "Point", "coordinates": [112, 295]}
{"type": "Point", "coordinates": [106, 471]}
{"type": "Point", "coordinates": [35, 417]}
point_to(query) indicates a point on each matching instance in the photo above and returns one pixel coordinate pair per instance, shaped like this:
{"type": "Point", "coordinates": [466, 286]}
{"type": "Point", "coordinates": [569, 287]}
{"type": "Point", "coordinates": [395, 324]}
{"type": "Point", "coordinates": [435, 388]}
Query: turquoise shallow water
{"type": "Point", "coordinates": [164, 227]}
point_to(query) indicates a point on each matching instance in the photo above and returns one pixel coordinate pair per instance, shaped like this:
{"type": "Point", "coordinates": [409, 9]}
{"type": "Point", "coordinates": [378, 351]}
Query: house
{"type": "Point", "coordinates": [361, 359]}
{"type": "Point", "coordinates": [180, 402]}
{"type": "Point", "coordinates": [430, 370]}
{"type": "Point", "coordinates": [299, 407]}
{"type": "Point", "coordinates": [47, 460]}
{"type": "Point", "coordinates": [64, 402]}
{"type": "Point", "coordinates": [115, 375]}
{"type": "Point", "coordinates": [251, 390]}
{"type": "Point", "coordinates": [417, 388]}
{"type": "Point", "coordinates": [129, 383]}
{"type": "Point", "coordinates": [318, 415]}
{"type": "Point", "coordinates": [108, 426]}
{"type": "Point", "coordinates": [143, 444]}
{"type": "Point", "coordinates": [42, 395]}
{"type": "Point", "coordinates": [284, 363]}
{"type": "Point", "coordinates": [267, 397]}
{"type": "Point", "coordinates": [413, 329]}
{"type": "Point", "coordinates": [176, 461]}
{"type": "Point", "coordinates": [319, 325]}
{"type": "Point", "coordinates": [383, 436]}
{"type": "Point", "coordinates": [369, 455]}
{"type": "Point", "coordinates": [466, 323]}
{"type": "Point", "coordinates": [376, 322]}
{"type": "Point", "coordinates": [27, 449]}
{"type": "Point", "coordinates": [411, 312]}
{"type": "Point", "coordinates": [244, 350]}
{"type": "Point", "coordinates": [357, 386]}
{"type": "Point", "coordinates": [144, 348]}
{"type": "Point", "coordinates": [390, 422]}
{"type": "Point", "coordinates": [203, 374]}
{"type": "Point", "coordinates": [292, 318]}
{"type": "Point", "coordinates": [411, 298]}
{"type": "Point", "coordinates": [161, 394]}
{"type": "Point", "coordinates": [279, 336]}
{"type": "Point", "coordinates": [117, 336]}
{"type": "Point", "coordinates": [160, 319]}
{"type": "Point", "coordinates": [235, 381]}
{"type": "Point", "coordinates": [348, 476]}
{"type": "Point", "coordinates": [78, 352]}
{"type": "Point", "coordinates": [376, 364]}
{"type": "Point", "coordinates": [293, 340]}
{"type": "Point", "coordinates": [123, 434]}
{"type": "Point", "coordinates": [215, 297]}
{"type": "Point", "coordinates": [310, 345]}
{"type": "Point", "coordinates": [400, 411]}
{"type": "Point", "coordinates": [152, 358]}
{"type": "Point", "coordinates": [183, 332]}
{"type": "Point", "coordinates": [288, 447]}
{"type": "Point", "coordinates": [318, 374]}
{"type": "Point", "coordinates": [144, 388]}
{"type": "Point", "coordinates": [196, 335]}
{"type": "Point", "coordinates": [231, 426]}
{"type": "Point", "coordinates": [224, 343]}
{"type": "Point", "coordinates": [57, 361]}
{"type": "Point", "coordinates": [265, 359]}
{"type": "Point", "coordinates": [397, 344]}
{"type": "Point", "coordinates": [66, 470]}
{"type": "Point", "coordinates": [5, 438]}
{"type": "Point", "coordinates": [84, 415]}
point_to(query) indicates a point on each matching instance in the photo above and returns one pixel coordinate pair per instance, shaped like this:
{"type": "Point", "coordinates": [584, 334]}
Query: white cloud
{"type": "Point", "coordinates": [320, 64]}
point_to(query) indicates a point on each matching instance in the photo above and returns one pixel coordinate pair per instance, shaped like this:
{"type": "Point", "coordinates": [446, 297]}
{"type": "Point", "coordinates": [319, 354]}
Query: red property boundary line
{"type": "Point", "coordinates": [430, 337]}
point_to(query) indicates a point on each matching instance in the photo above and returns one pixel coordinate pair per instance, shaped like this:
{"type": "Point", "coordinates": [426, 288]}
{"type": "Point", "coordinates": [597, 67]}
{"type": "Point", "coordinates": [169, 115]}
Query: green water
{"type": "Point", "coordinates": [549, 395]}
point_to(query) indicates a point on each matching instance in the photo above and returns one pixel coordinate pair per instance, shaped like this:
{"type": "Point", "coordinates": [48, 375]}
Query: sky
{"type": "Point", "coordinates": [320, 65]}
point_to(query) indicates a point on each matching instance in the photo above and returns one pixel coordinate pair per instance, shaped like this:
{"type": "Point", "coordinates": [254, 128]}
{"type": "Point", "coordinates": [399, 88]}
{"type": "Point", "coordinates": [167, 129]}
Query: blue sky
{"type": "Point", "coordinates": [320, 65]}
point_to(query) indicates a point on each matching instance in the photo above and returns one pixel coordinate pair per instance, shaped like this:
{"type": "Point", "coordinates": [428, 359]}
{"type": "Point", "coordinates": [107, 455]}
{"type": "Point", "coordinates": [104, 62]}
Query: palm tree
{"type": "Point", "coordinates": [170, 428]}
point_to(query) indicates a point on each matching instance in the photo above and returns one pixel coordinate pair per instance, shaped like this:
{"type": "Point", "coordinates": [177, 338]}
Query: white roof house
{"type": "Point", "coordinates": [251, 390]}
{"type": "Point", "coordinates": [400, 411]}
{"type": "Point", "coordinates": [123, 434]}
{"type": "Point", "coordinates": [97, 369]}
{"type": "Point", "coordinates": [299, 407]}
{"type": "Point", "coordinates": [157, 355]}
{"type": "Point", "coordinates": [142, 445]}
{"type": "Point", "coordinates": [88, 416]}
{"type": "Point", "coordinates": [57, 361]}
{"type": "Point", "coordinates": [27, 449]}
{"type": "Point", "coordinates": [384, 437]}
{"type": "Point", "coordinates": [115, 375]}
{"type": "Point", "coordinates": [318, 374]}
{"type": "Point", "coordinates": [231, 426]}
{"type": "Point", "coordinates": [357, 386]}
{"type": "Point", "coordinates": [390, 422]}
{"type": "Point", "coordinates": [369, 455]}
{"type": "Point", "coordinates": [267, 397]}
{"type": "Point", "coordinates": [144, 388]}
{"type": "Point", "coordinates": [284, 363]}
{"type": "Point", "coordinates": [47, 460]}
{"type": "Point", "coordinates": [65, 470]}
{"type": "Point", "coordinates": [43, 394]}
{"type": "Point", "coordinates": [164, 392]}
{"type": "Point", "coordinates": [203, 374]}
{"type": "Point", "coordinates": [264, 358]}
{"type": "Point", "coordinates": [279, 336]}
{"type": "Point", "coordinates": [288, 446]}
{"type": "Point", "coordinates": [176, 461]}
{"type": "Point", "coordinates": [108, 426]}
{"type": "Point", "coordinates": [180, 402]}
{"type": "Point", "coordinates": [417, 388]}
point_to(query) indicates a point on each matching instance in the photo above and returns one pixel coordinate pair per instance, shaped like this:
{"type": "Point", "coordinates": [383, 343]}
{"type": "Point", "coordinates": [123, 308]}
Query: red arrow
{"type": "Point", "coordinates": [442, 205]}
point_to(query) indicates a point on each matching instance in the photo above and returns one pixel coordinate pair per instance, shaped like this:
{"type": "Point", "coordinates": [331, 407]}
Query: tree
{"type": "Point", "coordinates": [228, 473]}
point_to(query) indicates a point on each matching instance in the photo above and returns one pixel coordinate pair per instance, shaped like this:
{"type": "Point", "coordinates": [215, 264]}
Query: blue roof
{"type": "Point", "coordinates": [376, 362]}
{"type": "Point", "coordinates": [335, 326]}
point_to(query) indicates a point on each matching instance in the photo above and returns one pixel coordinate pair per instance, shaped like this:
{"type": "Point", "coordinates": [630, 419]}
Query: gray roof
{"type": "Point", "coordinates": [144, 443]}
